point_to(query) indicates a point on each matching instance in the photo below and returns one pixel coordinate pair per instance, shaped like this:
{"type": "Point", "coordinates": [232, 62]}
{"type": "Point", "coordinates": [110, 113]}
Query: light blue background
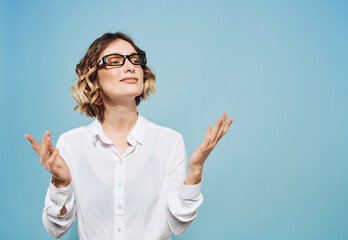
{"type": "Point", "coordinates": [279, 68]}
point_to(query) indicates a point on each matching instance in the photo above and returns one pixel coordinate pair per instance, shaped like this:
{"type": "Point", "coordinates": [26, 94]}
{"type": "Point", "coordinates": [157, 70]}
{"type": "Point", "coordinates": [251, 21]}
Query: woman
{"type": "Point", "coordinates": [122, 175]}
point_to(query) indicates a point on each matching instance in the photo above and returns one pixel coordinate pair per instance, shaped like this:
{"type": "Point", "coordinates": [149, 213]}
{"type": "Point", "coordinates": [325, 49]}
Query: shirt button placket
{"type": "Point", "coordinates": [119, 190]}
{"type": "Point", "coordinates": [118, 198]}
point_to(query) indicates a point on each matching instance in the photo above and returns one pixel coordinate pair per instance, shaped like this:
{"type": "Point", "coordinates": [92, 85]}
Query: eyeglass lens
{"type": "Point", "coordinates": [117, 60]}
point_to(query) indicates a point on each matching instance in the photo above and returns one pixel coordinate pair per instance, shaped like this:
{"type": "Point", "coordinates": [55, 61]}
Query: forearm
{"type": "Point", "coordinates": [194, 176]}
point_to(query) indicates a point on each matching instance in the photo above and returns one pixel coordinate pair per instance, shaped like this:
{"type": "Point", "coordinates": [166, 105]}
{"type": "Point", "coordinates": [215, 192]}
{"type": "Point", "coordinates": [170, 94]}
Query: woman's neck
{"type": "Point", "coordinates": [119, 119]}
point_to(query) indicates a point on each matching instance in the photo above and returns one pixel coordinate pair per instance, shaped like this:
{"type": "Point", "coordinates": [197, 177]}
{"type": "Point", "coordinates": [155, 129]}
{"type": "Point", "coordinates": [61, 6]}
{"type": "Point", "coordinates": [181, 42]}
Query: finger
{"type": "Point", "coordinates": [52, 159]}
{"type": "Point", "coordinates": [33, 143]}
{"type": "Point", "coordinates": [220, 129]}
{"type": "Point", "coordinates": [207, 135]}
{"type": "Point", "coordinates": [215, 131]}
{"type": "Point", "coordinates": [44, 147]}
{"type": "Point", "coordinates": [216, 127]}
{"type": "Point", "coordinates": [228, 124]}
{"type": "Point", "coordinates": [50, 145]}
{"type": "Point", "coordinates": [208, 130]}
{"type": "Point", "coordinates": [50, 148]}
{"type": "Point", "coordinates": [42, 154]}
{"type": "Point", "coordinates": [45, 135]}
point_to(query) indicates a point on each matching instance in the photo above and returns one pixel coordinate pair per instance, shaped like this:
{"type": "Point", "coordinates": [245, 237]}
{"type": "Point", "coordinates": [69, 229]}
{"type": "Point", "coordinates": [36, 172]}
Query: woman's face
{"type": "Point", "coordinates": [110, 84]}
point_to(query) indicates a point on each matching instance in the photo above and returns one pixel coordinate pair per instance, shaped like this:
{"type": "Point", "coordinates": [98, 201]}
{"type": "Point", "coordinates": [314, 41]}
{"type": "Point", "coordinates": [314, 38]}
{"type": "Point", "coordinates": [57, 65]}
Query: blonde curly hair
{"type": "Point", "coordinates": [88, 97]}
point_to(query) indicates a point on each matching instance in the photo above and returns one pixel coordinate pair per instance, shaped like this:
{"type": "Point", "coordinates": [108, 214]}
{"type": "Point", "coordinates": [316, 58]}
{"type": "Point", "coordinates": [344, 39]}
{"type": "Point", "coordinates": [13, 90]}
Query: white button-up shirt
{"type": "Point", "coordinates": [140, 195]}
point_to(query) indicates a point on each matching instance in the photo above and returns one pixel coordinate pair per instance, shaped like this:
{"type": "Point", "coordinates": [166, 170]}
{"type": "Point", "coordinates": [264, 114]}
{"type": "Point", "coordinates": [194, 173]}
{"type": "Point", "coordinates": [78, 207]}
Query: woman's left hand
{"type": "Point", "coordinates": [211, 139]}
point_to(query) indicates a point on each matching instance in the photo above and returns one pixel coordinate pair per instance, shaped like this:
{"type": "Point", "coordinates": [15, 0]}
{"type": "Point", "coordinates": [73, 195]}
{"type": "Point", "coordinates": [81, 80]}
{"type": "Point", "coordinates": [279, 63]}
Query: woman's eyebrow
{"type": "Point", "coordinates": [124, 54]}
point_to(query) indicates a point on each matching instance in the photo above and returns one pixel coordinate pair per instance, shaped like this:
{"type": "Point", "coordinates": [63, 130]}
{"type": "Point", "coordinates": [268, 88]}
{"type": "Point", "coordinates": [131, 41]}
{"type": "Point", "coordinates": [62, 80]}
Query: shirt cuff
{"type": "Point", "coordinates": [190, 191]}
{"type": "Point", "coordinates": [60, 195]}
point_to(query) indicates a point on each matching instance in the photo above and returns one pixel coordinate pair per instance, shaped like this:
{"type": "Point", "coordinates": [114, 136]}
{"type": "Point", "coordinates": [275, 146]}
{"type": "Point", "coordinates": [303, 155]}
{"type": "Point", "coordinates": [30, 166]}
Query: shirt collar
{"type": "Point", "coordinates": [137, 133]}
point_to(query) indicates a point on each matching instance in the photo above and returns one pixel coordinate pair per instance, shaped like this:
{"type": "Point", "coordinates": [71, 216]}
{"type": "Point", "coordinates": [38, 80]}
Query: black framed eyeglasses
{"type": "Point", "coordinates": [119, 60]}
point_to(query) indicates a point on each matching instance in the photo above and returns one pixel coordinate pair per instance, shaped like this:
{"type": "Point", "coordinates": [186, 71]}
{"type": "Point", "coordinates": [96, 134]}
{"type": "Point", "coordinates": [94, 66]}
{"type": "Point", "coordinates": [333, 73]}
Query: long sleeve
{"type": "Point", "coordinates": [183, 200]}
{"type": "Point", "coordinates": [57, 225]}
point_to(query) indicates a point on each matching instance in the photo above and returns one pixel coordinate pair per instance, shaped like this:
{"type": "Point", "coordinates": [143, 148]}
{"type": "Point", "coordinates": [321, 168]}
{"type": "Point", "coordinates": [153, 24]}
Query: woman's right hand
{"type": "Point", "coordinates": [51, 160]}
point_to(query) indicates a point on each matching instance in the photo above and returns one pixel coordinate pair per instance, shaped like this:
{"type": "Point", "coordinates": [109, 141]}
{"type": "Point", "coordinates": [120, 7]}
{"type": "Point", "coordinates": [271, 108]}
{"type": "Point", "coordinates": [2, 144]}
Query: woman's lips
{"type": "Point", "coordinates": [129, 80]}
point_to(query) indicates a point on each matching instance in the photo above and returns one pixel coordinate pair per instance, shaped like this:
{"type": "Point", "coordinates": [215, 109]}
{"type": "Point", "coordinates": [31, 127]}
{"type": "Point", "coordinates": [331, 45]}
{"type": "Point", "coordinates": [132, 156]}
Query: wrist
{"type": "Point", "coordinates": [59, 184]}
{"type": "Point", "coordinates": [194, 176]}
{"type": "Point", "coordinates": [196, 169]}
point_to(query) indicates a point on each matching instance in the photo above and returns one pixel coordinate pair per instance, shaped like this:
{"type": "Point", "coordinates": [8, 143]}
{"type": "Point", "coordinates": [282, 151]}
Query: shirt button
{"type": "Point", "coordinates": [119, 229]}
{"type": "Point", "coordinates": [119, 184]}
{"type": "Point", "coordinates": [121, 162]}
{"type": "Point", "coordinates": [119, 206]}
{"type": "Point", "coordinates": [64, 195]}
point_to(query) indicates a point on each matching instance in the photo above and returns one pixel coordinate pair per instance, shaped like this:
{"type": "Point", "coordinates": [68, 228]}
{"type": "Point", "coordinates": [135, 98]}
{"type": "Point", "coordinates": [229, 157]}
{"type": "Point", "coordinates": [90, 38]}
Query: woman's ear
{"type": "Point", "coordinates": [96, 84]}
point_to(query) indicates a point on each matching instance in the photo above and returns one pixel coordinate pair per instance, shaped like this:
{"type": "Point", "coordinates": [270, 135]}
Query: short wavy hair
{"type": "Point", "coordinates": [88, 97]}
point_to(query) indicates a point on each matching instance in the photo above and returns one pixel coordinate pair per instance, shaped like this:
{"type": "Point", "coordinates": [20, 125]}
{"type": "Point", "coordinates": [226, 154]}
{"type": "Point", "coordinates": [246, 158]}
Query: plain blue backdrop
{"type": "Point", "coordinates": [279, 68]}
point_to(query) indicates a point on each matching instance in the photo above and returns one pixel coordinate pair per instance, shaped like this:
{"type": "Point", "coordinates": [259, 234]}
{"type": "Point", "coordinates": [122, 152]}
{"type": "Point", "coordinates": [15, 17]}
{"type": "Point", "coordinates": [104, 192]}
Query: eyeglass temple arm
{"type": "Point", "coordinates": [100, 62]}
